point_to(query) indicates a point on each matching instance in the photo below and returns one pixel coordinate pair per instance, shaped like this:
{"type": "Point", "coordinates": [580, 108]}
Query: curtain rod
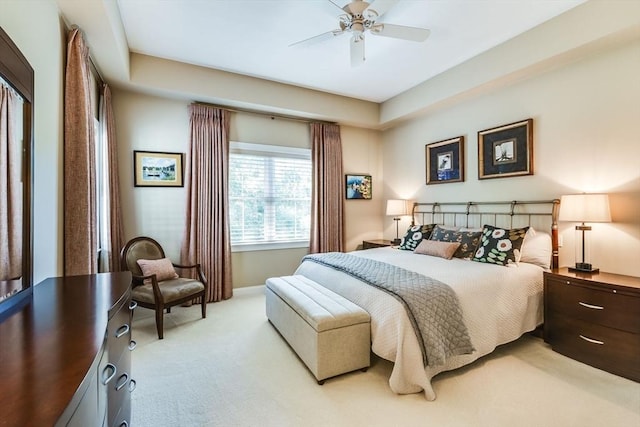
{"type": "Point", "coordinates": [262, 113]}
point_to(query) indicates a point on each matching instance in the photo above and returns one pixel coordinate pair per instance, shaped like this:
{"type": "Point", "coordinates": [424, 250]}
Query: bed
{"type": "Point", "coordinates": [499, 303]}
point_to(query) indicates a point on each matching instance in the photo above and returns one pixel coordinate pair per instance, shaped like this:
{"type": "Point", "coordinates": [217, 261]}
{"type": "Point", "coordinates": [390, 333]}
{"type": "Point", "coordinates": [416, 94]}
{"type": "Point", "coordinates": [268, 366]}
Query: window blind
{"type": "Point", "coordinates": [269, 194]}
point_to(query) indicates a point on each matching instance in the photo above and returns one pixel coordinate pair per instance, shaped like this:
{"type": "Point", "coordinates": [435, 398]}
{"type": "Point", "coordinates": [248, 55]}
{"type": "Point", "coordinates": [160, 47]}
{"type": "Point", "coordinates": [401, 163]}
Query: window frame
{"type": "Point", "coordinates": [237, 147]}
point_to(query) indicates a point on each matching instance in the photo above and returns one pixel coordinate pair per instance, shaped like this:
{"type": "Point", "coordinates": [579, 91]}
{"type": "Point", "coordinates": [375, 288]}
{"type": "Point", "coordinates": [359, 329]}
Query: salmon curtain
{"type": "Point", "coordinates": [207, 239]}
{"type": "Point", "coordinates": [80, 226]}
{"type": "Point", "coordinates": [112, 234]}
{"type": "Point", "coordinates": [327, 231]}
{"type": "Point", "coordinates": [11, 180]}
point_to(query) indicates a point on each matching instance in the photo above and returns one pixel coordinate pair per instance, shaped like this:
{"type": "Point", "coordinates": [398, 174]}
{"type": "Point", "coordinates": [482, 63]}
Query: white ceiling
{"type": "Point", "coordinates": [252, 37]}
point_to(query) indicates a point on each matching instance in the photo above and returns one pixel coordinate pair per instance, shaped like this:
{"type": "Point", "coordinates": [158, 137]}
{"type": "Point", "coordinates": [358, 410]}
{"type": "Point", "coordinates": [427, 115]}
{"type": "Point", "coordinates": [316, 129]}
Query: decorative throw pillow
{"type": "Point", "coordinates": [500, 246]}
{"type": "Point", "coordinates": [435, 248]}
{"type": "Point", "coordinates": [537, 248]}
{"type": "Point", "coordinates": [162, 268]}
{"type": "Point", "coordinates": [468, 240]}
{"type": "Point", "coordinates": [415, 235]}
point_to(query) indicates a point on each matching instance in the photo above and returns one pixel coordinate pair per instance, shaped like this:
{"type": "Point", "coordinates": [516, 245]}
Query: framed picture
{"type": "Point", "coordinates": [506, 150]}
{"type": "Point", "coordinates": [157, 169]}
{"type": "Point", "coordinates": [445, 161]}
{"type": "Point", "coordinates": [358, 186]}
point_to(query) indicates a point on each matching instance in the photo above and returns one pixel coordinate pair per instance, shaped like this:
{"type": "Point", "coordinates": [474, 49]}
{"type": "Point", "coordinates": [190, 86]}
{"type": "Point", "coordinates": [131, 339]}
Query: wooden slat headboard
{"type": "Point", "coordinates": [540, 214]}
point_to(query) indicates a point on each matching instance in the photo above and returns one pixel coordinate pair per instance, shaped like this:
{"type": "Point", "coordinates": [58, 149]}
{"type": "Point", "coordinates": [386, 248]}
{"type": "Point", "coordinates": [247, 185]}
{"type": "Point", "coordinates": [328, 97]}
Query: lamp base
{"type": "Point", "coordinates": [395, 242]}
{"type": "Point", "coordinates": [584, 267]}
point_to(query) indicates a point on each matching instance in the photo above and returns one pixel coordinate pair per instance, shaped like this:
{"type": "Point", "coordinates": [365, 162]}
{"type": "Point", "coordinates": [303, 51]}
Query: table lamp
{"type": "Point", "coordinates": [584, 208]}
{"type": "Point", "coordinates": [396, 208]}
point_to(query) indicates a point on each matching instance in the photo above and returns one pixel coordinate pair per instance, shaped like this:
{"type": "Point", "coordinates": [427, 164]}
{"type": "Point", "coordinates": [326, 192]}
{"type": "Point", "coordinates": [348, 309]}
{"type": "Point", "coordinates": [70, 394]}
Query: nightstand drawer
{"type": "Point", "coordinates": [609, 349]}
{"type": "Point", "coordinates": [600, 307]}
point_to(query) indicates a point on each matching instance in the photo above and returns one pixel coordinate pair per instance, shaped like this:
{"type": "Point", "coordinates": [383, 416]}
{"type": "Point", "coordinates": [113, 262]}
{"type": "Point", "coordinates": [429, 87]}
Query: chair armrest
{"type": "Point", "coordinates": [198, 269]}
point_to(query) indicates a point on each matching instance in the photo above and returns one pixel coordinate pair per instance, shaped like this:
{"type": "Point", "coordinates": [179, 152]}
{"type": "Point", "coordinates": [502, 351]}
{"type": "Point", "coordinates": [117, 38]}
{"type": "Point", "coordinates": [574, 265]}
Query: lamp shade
{"type": "Point", "coordinates": [396, 207]}
{"type": "Point", "coordinates": [585, 208]}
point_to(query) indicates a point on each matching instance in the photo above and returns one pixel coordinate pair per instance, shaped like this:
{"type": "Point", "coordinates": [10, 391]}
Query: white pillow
{"type": "Point", "coordinates": [536, 248]}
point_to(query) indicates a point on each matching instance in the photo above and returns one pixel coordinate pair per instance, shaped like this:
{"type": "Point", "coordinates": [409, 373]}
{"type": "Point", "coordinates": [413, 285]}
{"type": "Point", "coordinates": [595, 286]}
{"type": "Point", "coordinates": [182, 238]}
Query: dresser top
{"type": "Point", "coordinates": [49, 344]}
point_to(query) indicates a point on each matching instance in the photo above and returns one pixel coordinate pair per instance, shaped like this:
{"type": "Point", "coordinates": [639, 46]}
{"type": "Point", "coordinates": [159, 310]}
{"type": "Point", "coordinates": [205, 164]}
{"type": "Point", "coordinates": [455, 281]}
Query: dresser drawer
{"type": "Point", "coordinates": [602, 307]}
{"type": "Point", "coordinates": [610, 349]}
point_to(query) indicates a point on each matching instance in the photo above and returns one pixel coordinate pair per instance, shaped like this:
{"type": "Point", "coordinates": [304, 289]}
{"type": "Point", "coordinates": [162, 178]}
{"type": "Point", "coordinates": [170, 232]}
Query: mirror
{"type": "Point", "coordinates": [16, 142]}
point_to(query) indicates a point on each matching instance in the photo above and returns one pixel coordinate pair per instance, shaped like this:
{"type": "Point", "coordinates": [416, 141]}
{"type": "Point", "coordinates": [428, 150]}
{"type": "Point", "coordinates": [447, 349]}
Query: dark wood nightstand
{"type": "Point", "coordinates": [594, 318]}
{"type": "Point", "coordinates": [375, 243]}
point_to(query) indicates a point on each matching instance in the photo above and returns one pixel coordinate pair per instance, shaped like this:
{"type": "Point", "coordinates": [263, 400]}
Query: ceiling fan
{"type": "Point", "coordinates": [360, 17]}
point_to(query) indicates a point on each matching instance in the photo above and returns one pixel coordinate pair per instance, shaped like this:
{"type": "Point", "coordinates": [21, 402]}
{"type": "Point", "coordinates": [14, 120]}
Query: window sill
{"type": "Point", "coordinates": [251, 247]}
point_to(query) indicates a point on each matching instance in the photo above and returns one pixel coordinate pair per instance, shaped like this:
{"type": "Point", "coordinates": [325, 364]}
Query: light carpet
{"type": "Point", "coordinates": [234, 369]}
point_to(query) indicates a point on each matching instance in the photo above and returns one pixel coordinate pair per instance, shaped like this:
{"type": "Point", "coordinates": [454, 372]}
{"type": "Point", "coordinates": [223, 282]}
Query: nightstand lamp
{"type": "Point", "coordinates": [584, 208]}
{"type": "Point", "coordinates": [396, 208]}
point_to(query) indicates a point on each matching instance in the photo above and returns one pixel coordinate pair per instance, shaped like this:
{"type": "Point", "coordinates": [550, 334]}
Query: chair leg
{"type": "Point", "coordinates": [168, 309]}
{"type": "Point", "coordinates": [204, 308]}
{"type": "Point", "coordinates": [159, 321]}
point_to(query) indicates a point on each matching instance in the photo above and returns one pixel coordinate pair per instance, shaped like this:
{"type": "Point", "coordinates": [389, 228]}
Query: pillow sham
{"type": "Point", "coordinates": [536, 249]}
{"type": "Point", "coordinates": [415, 235]}
{"type": "Point", "coordinates": [436, 248]}
{"type": "Point", "coordinates": [500, 246]}
{"type": "Point", "coordinates": [468, 240]}
{"type": "Point", "coordinates": [162, 268]}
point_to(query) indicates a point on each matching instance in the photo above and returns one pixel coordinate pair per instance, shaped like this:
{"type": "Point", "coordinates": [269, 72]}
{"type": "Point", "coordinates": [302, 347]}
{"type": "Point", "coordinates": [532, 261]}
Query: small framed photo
{"type": "Point", "coordinates": [506, 150]}
{"type": "Point", "coordinates": [157, 169]}
{"type": "Point", "coordinates": [358, 186]}
{"type": "Point", "coordinates": [445, 161]}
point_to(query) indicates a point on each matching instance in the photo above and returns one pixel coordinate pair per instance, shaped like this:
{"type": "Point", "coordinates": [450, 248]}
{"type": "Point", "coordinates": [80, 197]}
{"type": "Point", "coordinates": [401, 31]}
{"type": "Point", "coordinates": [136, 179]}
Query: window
{"type": "Point", "coordinates": [269, 196]}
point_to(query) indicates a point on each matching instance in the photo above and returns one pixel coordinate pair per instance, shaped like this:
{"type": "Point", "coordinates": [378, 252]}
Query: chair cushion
{"type": "Point", "coordinates": [171, 290]}
{"type": "Point", "coordinates": [162, 268]}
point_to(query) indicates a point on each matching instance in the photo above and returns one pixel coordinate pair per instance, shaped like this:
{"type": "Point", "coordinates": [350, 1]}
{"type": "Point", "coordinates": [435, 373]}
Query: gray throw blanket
{"type": "Point", "coordinates": [432, 306]}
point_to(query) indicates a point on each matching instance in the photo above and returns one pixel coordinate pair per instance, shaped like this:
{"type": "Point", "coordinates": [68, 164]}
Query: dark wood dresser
{"type": "Point", "coordinates": [65, 354]}
{"type": "Point", "coordinates": [594, 318]}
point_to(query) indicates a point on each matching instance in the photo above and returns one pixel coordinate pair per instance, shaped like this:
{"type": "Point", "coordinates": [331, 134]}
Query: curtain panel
{"type": "Point", "coordinates": [11, 179]}
{"type": "Point", "coordinates": [112, 238]}
{"type": "Point", "coordinates": [207, 239]}
{"type": "Point", "coordinates": [80, 226]}
{"type": "Point", "coordinates": [327, 234]}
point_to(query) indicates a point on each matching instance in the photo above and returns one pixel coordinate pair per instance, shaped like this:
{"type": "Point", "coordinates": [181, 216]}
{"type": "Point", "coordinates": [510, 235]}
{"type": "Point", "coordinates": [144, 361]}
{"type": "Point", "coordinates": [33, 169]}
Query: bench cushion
{"type": "Point", "coordinates": [321, 308]}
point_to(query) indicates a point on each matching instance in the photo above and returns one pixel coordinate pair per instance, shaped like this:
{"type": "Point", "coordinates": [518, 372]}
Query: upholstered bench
{"type": "Point", "coordinates": [329, 333]}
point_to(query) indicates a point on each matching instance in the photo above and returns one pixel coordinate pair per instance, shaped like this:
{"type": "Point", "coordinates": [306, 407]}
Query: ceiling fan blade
{"type": "Point", "coordinates": [330, 8]}
{"type": "Point", "coordinates": [357, 50]}
{"type": "Point", "coordinates": [400, 32]}
{"type": "Point", "coordinates": [317, 39]}
{"type": "Point", "coordinates": [382, 6]}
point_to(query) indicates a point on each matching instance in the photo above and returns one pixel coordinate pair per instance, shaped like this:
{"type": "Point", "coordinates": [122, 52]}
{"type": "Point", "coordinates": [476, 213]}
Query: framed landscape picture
{"type": "Point", "coordinates": [445, 161]}
{"type": "Point", "coordinates": [506, 150]}
{"type": "Point", "coordinates": [157, 169]}
{"type": "Point", "coordinates": [358, 186]}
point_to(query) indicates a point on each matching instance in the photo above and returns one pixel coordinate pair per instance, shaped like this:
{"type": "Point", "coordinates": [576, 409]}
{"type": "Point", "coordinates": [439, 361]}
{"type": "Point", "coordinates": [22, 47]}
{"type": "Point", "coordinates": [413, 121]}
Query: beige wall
{"type": "Point", "coordinates": [37, 31]}
{"type": "Point", "coordinates": [585, 140]}
{"type": "Point", "coordinates": [159, 124]}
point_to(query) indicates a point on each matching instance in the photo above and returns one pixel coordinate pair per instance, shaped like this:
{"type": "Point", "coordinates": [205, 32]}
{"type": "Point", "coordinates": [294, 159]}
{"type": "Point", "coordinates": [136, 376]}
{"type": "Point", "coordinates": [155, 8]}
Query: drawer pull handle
{"type": "Point", "coordinates": [133, 305]}
{"type": "Point", "coordinates": [122, 330]}
{"type": "Point", "coordinates": [132, 345]}
{"type": "Point", "coordinates": [122, 381]}
{"type": "Point", "coordinates": [132, 385]}
{"type": "Point", "coordinates": [124, 424]}
{"type": "Point", "coordinates": [591, 306]}
{"type": "Point", "coordinates": [591, 340]}
{"type": "Point", "coordinates": [109, 377]}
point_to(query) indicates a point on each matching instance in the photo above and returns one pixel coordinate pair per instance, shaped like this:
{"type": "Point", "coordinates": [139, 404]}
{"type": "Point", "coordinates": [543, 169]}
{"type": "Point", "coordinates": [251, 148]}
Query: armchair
{"type": "Point", "coordinates": [156, 285]}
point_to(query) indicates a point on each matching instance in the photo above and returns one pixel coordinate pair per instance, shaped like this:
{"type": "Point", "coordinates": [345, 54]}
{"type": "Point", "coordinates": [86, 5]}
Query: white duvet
{"type": "Point", "coordinates": [499, 304]}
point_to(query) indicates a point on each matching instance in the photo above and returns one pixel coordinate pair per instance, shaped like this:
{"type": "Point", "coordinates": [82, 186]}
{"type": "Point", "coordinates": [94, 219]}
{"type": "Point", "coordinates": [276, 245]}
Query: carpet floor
{"type": "Point", "coordinates": [234, 369]}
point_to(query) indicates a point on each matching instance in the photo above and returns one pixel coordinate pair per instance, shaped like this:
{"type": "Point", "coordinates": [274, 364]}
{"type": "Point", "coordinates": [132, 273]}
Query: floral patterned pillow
{"type": "Point", "coordinates": [500, 246]}
{"type": "Point", "coordinates": [468, 240]}
{"type": "Point", "coordinates": [415, 235]}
